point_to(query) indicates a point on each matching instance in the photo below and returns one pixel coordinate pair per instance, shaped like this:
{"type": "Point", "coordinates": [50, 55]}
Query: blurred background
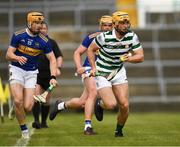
{"type": "Point", "coordinates": [154, 84]}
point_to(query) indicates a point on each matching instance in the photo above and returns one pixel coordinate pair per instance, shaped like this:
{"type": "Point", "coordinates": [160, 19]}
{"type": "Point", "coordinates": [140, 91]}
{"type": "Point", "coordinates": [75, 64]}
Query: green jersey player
{"type": "Point", "coordinates": [115, 47]}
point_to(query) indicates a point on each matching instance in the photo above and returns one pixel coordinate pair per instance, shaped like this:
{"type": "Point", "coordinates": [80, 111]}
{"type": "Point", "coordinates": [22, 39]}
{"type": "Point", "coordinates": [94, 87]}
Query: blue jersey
{"type": "Point", "coordinates": [30, 47]}
{"type": "Point", "coordinates": [86, 43]}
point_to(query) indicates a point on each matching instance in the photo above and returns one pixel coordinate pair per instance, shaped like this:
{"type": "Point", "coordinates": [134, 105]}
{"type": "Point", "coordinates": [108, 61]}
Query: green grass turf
{"type": "Point", "coordinates": [152, 129]}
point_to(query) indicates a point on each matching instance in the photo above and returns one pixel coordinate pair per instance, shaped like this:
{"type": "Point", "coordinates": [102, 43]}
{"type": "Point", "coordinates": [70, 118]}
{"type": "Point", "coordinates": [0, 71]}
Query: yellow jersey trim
{"type": "Point", "coordinates": [43, 37]}
{"type": "Point", "coordinates": [20, 32]}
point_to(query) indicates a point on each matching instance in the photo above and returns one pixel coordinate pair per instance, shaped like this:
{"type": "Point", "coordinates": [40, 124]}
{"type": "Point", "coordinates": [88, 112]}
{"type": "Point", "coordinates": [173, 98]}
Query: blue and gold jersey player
{"type": "Point", "coordinates": [25, 47]}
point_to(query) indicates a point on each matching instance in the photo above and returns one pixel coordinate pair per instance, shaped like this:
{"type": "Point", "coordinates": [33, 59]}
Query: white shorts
{"type": "Point", "coordinates": [120, 78]}
{"type": "Point", "coordinates": [26, 78]}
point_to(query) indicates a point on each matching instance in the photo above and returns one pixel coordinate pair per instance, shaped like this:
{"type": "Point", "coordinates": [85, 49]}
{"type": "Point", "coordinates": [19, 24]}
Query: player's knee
{"type": "Point", "coordinates": [18, 103]}
{"type": "Point", "coordinates": [28, 108]}
{"type": "Point", "coordinates": [125, 106]}
{"type": "Point", "coordinates": [81, 103]}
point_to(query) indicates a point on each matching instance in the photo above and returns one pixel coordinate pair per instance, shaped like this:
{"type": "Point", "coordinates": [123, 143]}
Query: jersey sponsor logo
{"type": "Point", "coordinates": [109, 46]}
{"type": "Point", "coordinates": [115, 43]}
{"type": "Point", "coordinates": [29, 51]}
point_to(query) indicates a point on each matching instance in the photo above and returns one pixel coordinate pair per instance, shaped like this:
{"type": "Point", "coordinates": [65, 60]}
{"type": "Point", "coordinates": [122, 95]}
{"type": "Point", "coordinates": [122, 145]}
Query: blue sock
{"type": "Point", "coordinates": [87, 124]}
{"type": "Point", "coordinates": [23, 127]}
{"type": "Point", "coordinates": [87, 121]}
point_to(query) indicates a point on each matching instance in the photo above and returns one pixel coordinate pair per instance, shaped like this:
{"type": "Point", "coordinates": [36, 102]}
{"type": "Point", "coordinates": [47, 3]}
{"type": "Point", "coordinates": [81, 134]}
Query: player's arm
{"type": "Point", "coordinates": [11, 56]}
{"type": "Point", "coordinates": [91, 56]}
{"type": "Point", "coordinates": [52, 61]}
{"type": "Point", "coordinates": [77, 58]}
{"type": "Point", "coordinates": [137, 56]}
{"type": "Point", "coordinates": [53, 66]}
{"type": "Point", "coordinates": [59, 56]}
{"type": "Point", "coordinates": [59, 61]}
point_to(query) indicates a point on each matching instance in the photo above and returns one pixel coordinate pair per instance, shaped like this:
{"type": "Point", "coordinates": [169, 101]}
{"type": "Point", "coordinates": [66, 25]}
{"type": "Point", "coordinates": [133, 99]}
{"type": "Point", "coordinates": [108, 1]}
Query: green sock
{"type": "Point", "coordinates": [119, 127]}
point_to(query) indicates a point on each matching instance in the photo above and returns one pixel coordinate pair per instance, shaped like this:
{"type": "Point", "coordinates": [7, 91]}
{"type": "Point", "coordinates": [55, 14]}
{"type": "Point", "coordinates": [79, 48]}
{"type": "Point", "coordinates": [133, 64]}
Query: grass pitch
{"type": "Point", "coordinates": [152, 129]}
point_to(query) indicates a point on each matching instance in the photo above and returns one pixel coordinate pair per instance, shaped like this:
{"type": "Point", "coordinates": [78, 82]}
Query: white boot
{"type": "Point", "coordinates": [25, 134]}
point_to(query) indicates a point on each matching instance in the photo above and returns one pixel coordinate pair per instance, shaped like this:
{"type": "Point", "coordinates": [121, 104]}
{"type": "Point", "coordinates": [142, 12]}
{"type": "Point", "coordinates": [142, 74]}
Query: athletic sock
{"type": "Point", "coordinates": [119, 127]}
{"type": "Point", "coordinates": [36, 111]}
{"type": "Point", "coordinates": [44, 113]}
{"type": "Point", "coordinates": [87, 124]}
{"type": "Point", "coordinates": [23, 128]}
{"type": "Point", "coordinates": [61, 106]}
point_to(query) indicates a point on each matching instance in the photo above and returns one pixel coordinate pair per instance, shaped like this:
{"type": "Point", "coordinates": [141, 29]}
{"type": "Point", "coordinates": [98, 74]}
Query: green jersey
{"type": "Point", "coordinates": [111, 48]}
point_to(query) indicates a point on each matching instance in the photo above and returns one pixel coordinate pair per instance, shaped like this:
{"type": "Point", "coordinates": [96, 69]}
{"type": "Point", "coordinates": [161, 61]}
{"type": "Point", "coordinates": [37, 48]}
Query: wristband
{"type": "Point", "coordinates": [53, 77]}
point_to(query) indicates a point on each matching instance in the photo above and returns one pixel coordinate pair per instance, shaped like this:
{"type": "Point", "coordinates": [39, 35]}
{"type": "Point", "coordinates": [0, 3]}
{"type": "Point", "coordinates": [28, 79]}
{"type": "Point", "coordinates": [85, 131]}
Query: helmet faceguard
{"type": "Point", "coordinates": [34, 17]}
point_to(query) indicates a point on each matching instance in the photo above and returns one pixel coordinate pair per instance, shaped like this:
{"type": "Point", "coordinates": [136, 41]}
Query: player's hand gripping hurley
{"type": "Point", "coordinates": [42, 97]}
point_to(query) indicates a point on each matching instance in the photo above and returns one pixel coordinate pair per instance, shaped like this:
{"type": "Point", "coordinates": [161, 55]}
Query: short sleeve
{"type": "Point", "coordinates": [48, 47]}
{"type": "Point", "coordinates": [135, 44]}
{"type": "Point", "coordinates": [14, 41]}
{"type": "Point", "coordinates": [100, 40]}
{"type": "Point", "coordinates": [87, 41]}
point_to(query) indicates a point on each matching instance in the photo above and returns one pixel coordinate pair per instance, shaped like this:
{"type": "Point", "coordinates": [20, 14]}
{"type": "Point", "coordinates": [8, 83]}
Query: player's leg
{"type": "Point", "coordinates": [45, 107]}
{"type": "Point", "coordinates": [36, 109]}
{"type": "Point", "coordinates": [89, 105]}
{"type": "Point", "coordinates": [108, 98]}
{"type": "Point", "coordinates": [28, 100]}
{"type": "Point", "coordinates": [74, 103]}
{"type": "Point", "coordinates": [17, 94]}
{"type": "Point", "coordinates": [77, 103]}
{"type": "Point", "coordinates": [106, 94]}
{"type": "Point", "coordinates": [17, 83]}
{"type": "Point", "coordinates": [30, 78]}
{"type": "Point", "coordinates": [108, 101]}
{"type": "Point", "coordinates": [121, 91]}
{"type": "Point", "coordinates": [29, 89]}
{"type": "Point", "coordinates": [122, 94]}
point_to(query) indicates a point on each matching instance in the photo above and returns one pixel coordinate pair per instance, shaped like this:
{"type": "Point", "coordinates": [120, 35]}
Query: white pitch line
{"type": "Point", "coordinates": [24, 142]}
